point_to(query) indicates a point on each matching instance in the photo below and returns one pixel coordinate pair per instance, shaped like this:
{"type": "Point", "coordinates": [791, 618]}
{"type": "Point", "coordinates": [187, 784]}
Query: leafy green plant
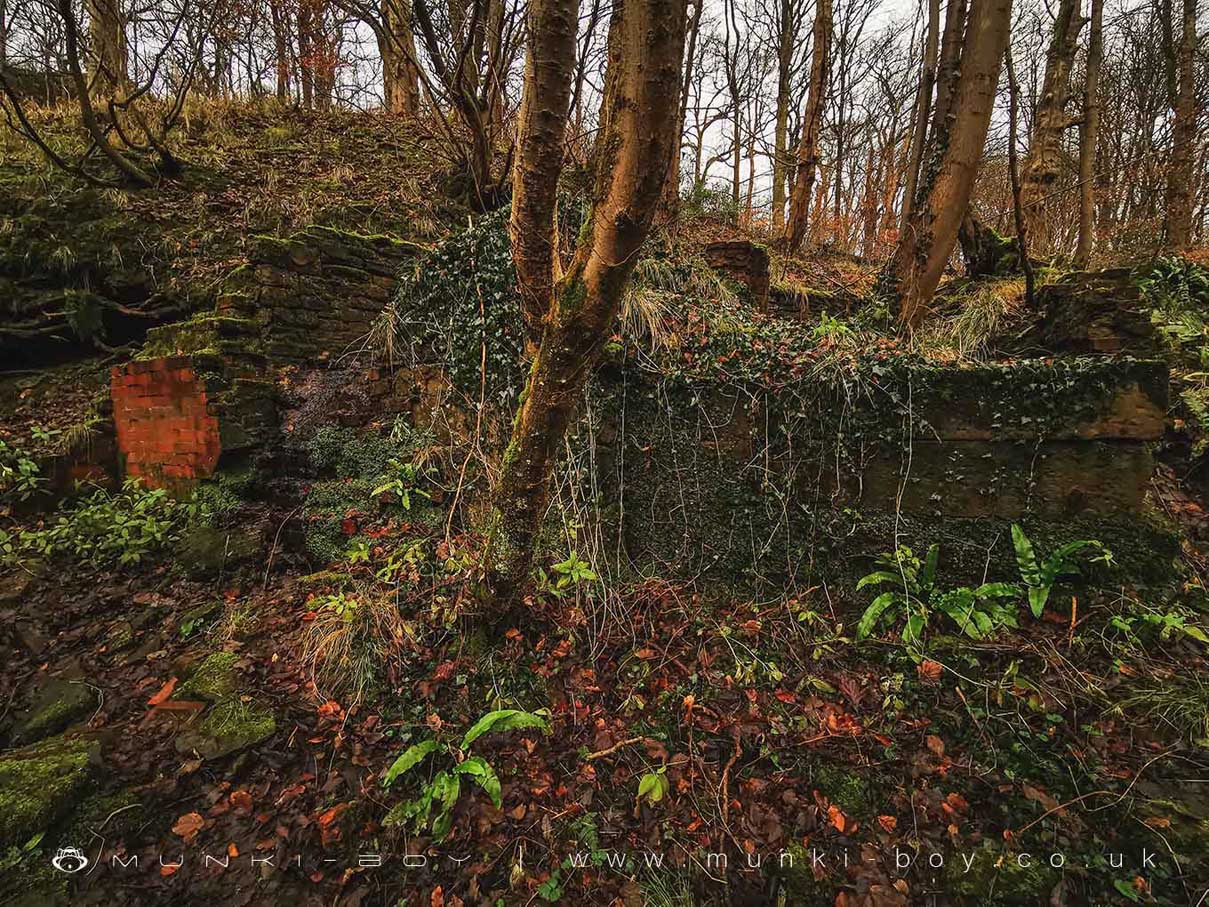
{"type": "Point", "coordinates": [442, 791]}
{"type": "Point", "coordinates": [358, 550]}
{"type": "Point", "coordinates": [1039, 576]}
{"type": "Point", "coordinates": [565, 576]}
{"type": "Point", "coordinates": [19, 474]}
{"type": "Point", "coordinates": [653, 786]}
{"type": "Point", "coordinates": [402, 480]}
{"type": "Point", "coordinates": [343, 606]}
{"type": "Point", "coordinates": [915, 597]}
{"type": "Point", "coordinates": [107, 527]}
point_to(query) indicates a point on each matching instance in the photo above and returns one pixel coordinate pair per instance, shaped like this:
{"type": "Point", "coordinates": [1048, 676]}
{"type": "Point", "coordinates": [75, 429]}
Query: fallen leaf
{"type": "Point", "coordinates": [936, 745]}
{"type": "Point", "coordinates": [889, 823]}
{"type": "Point", "coordinates": [188, 825]}
{"type": "Point", "coordinates": [929, 671]}
{"type": "Point", "coordinates": [837, 818]}
{"type": "Point", "coordinates": [241, 801]}
{"type": "Point", "coordinates": [438, 897]}
{"type": "Point", "coordinates": [232, 850]}
{"type": "Point", "coordinates": [164, 692]}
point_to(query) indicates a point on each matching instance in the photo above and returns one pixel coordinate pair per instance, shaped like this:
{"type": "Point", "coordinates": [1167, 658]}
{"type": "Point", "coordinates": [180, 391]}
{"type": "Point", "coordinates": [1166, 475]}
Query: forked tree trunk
{"type": "Point", "coordinates": [107, 58]}
{"type": "Point", "coordinates": [1089, 137]}
{"type": "Point", "coordinates": [634, 146]}
{"type": "Point", "coordinates": [812, 120]}
{"type": "Point", "coordinates": [1043, 163]}
{"type": "Point", "coordinates": [1183, 137]}
{"type": "Point", "coordinates": [948, 69]}
{"type": "Point", "coordinates": [400, 82]}
{"type": "Point", "coordinates": [925, 246]}
{"type": "Point", "coordinates": [539, 157]}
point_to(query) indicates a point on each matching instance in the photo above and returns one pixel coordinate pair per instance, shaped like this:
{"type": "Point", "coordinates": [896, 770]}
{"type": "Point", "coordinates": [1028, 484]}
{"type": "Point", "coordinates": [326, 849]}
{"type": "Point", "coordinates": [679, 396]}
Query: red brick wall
{"type": "Point", "coordinates": [165, 432]}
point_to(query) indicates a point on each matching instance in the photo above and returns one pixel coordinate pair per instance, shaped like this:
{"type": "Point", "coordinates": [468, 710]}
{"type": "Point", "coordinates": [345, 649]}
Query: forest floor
{"type": "Point", "coordinates": [677, 743]}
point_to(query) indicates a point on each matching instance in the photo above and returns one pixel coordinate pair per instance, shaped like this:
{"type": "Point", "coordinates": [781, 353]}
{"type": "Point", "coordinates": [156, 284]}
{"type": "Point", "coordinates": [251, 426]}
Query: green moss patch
{"type": "Point", "coordinates": [228, 727]}
{"type": "Point", "coordinates": [39, 785]}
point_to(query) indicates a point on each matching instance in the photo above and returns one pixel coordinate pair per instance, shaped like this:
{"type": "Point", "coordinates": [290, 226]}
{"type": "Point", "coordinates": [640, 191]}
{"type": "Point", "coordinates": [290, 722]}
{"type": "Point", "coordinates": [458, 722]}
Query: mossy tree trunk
{"type": "Point", "coordinates": [634, 146]}
{"type": "Point", "coordinates": [812, 123]}
{"type": "Point", "coordinates": [944, 196]}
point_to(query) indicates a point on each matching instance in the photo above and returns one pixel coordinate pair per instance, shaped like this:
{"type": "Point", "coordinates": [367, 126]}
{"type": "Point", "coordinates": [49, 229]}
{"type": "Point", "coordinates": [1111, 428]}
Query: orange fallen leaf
{"type": "Point", "coordinates": [241, 801]}
{"type": "Point", "coordinates": [517, 812]}
{"type": "Point", "coordinates": [438, 897]}
{"type": "Point", "coordinates": [188, 825]}
{"type": "Point", "coordinates": [929, 671]}
{"type": "Point", "coordinates": [168, 869]}
{"type": "Point", "coordinates": [936, 745]}
{"type": "Point", "coordinates": [889, 823]}
{"type": "Point", "coordinates": [164, 692]}
{"type": "Point", "coordinates": [232, 850]}
{"type": "Point", "coordinates": [837, 818]}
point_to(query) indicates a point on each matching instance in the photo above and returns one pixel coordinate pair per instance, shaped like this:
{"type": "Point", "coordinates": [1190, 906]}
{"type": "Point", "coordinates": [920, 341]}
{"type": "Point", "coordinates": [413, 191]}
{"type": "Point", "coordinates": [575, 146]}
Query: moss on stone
{"type": "Point", "coordinates": [213, 680]}
{"type": "Point", "coordinates": [227, 727]}
{"type": "Point", "coordinates": [39, 784]}
{"type": "Point", "coordinates": [58, 704]}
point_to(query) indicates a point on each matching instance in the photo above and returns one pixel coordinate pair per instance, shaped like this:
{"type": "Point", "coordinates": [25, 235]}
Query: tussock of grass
{"type": "Point", "coordinates": [973, 318]}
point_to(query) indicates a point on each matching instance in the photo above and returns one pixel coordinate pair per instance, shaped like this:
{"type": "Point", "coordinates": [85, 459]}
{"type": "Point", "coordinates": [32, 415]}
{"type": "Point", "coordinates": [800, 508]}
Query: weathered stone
{"type": "Point", "coordinates": [1095, 313]}
{"type": "Point", "coordinates": [745, 262]}
{"type": "Point", "coordinates": [56, 705]}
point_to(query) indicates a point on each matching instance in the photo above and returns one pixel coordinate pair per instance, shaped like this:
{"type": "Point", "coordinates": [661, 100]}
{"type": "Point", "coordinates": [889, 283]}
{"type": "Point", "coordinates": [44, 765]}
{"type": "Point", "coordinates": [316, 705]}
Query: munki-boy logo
{"type": "Point", "coordinates": [69, 859]}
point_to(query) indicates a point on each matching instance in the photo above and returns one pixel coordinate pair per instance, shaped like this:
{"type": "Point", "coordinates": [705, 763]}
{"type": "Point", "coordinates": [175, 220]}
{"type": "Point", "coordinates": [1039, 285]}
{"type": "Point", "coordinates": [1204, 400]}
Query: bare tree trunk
{"type": "Point", "coordinates": [539, 159]}
{"type": "Point", "coordinates": [671, 191]}
{"type": "Point", "coordinates": [780, 153]}
{"type": "Point", "coordinates": [634, 146]}
{"type": "Point", "coordinates": [1089, 136]}
{"type": "Point", "coordinates": [107, 60]}
{"type": "Point", "coordinates": [926, 244]}
{"type": "Point", "coordinates": [1043, 162]}
{"type": "Point", "coordinates": [812, 119]}
{"type": "Point", "coordinates": [1014, 176]}
{"type": "Point", "coordinates": [397, 44]}
{"type": "Point", "coordinates": [922, 108]}
{"type": "Point", "coordinates": [1183, 136]}
{"type": "Point", "coordinates": [281, 45]}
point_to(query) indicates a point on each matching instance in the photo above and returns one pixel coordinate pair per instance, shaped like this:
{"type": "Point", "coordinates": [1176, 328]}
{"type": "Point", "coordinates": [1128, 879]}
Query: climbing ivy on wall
{"type": "Point", "coordinates": [458, 308]}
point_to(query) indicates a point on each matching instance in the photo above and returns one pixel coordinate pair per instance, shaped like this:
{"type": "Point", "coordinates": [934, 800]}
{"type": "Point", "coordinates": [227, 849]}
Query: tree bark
{"type": "Point", "coordinates": [397, 45]}
{"type": "Point", "coordinates": [634, 146]}
{"type": "Point", "coordinates": [1043, 163]}
{"type": "Point", "coordinates": [812, 119]}
{"type": "Point", "coordinates": [923, 107]}
{"type": "Point", "coordinates": [1183, 137]}
{"type": "Point", "coordinates": [1089, 137]}
{"type": "Point", "coordinates": [545, 104]}
{"type": "Point", "coordinates": [1014, 176]}
{"type": "Point", "coordinates": [925, 246]}
{"type": "Point", "coordinates": [780, 153]}
{"type": "Point", "coordinates": [107, 58]}
{"type": "Point", "coordinates": [948, 69]}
